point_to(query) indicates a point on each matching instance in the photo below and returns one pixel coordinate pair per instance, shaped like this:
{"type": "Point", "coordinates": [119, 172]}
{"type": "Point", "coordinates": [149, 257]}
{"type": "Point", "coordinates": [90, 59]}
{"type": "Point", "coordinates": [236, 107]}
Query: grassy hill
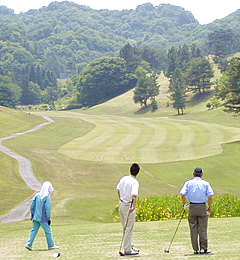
{"type": "Point", "coordinates": [12, 188]}
{"type": "Point", "coordinates": [65, 36]}
{"type": "Point", "coordinates": [85, 152]}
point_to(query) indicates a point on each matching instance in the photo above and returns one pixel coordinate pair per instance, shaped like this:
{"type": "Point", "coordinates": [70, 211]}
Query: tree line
{"type": "Point", "coordinates": [38, 46]}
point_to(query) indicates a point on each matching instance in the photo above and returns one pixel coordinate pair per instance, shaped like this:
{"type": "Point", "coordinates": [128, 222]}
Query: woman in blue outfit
{"type": "Point", "coordinates": [40, 215]}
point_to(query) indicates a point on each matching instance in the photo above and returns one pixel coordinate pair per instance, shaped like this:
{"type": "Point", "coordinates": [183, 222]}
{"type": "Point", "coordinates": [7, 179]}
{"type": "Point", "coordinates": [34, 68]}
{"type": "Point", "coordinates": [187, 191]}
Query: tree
{"type": "Point", "coordinates": [172, 62]}
{"type": "Point", "coordinates": [103, 79]}
{"type": "Point", "coordinates": [9, 92]}
{"type": "Point", "coordinates": [183, 57]}
{"type": "Point", "coordinates": [220, 41]}
{"type": "Point", "coordinates": [132, 57]}
{"type": "Point", "coordinates": [35, 94]}
{"type": "Point", "coordinates": [146, 88]}
{"type": "Point", "coordinates": [178, 90]}
{"type": "Point", "coordinates": [156, 58]}
{"type": "Point", "coordinates": [228, 87]}
{"type": "Point", "coordinates": [199, 74]}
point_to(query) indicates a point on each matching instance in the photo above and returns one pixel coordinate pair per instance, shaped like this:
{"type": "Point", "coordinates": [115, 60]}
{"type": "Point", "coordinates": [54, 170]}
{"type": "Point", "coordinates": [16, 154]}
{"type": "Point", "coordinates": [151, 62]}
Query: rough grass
{"type": "Point", "coordinates": [12, 188]}
{"type": "Point", "coordinates": [99, 241]}
{"type": "Point", "coordinates": [85, 179]}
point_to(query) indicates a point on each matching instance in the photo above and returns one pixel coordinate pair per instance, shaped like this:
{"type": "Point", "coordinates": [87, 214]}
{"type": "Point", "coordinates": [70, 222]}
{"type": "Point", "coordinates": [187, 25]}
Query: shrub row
{"type": "Point", "coordinates": [166, 207]}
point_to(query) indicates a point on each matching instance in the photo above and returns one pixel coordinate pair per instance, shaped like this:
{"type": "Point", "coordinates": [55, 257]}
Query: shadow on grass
{"type": "Point", "coordinates": [143, 110]}
{"type": "Point", "coordinates": [40, 250]}
{"type": "Point", "coordinates": [200, 97]}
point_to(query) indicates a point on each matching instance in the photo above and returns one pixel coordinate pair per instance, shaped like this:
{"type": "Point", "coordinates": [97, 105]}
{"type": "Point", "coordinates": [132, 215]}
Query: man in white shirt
{"type": "Point", "coordinates": [198, 192]}
{"type": "Point", "coordinates": [127, 192]}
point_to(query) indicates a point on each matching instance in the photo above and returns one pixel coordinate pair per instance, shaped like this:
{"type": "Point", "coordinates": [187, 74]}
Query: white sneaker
{"type": "Point", "coordinates": [131, 253]}
{"type": "Point", "coordinates": [29, 248]}
{"type": "Point", "coordinates": [53, 247]}
{"type": "Point", "coordinates": [135, 249]}
{"type": "Point", "coordinates": [205, 251]}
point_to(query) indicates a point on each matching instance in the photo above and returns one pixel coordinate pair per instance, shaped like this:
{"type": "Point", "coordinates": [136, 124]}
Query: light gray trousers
{"type": "Point", "coordinates": [123, 210]}
{"type": "Point", "coordinates": [198, 220]}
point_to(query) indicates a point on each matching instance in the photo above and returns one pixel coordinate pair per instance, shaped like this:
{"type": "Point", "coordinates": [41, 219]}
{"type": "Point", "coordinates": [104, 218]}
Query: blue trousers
{"type": "Point", "coordinates": [33, 233]}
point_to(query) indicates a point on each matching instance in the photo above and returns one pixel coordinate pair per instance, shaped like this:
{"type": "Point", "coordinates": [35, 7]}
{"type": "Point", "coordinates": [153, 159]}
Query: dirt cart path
{"type": "Point", "coordinates": [22, 211]}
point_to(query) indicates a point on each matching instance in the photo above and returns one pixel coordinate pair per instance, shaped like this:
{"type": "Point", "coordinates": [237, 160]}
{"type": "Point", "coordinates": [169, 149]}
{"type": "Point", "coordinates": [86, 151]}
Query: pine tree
{"type": "Point", "coordinates": [199, 75]}
{"type": "Point", "coordinates": [178, 90]}
{"type": "Point", "coordinates": [172, 62]}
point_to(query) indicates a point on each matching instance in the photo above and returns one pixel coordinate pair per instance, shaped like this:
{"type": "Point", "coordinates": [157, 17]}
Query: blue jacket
{"type": "Point", "coordinates": [40, 209]}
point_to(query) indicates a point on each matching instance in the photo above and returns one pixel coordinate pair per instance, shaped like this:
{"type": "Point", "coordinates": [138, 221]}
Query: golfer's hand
{"type": "Point", "coordinates": [131, 210]}
{"type": "Point", "coordinates": [185, 206]}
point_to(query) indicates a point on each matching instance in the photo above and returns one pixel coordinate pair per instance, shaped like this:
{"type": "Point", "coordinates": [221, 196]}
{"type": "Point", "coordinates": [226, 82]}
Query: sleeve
{"type": "Point", "coordinates": [118, 188]}
{"type": "Point", "coordinates": [183, 190]}
{"type": "Point", "coordinates": [209, 190]}
{"type": "Point", "coordinates": [119, 183]}
{"type": "Point", "coordinates": [33, 206]}
{"type": "Point", "coordinates": [135, 187]}
{"type": "Point", "coordinates": [48, 207]}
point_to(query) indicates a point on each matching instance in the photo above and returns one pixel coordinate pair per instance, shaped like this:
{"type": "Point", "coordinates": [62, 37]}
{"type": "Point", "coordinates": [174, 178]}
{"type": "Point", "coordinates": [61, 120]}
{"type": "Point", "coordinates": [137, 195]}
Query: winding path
{"type": "Point", "coordinates": [22, 211]}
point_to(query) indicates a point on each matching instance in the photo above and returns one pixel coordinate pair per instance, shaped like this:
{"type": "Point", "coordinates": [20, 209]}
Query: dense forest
{"type": "Point", "coordinates": [59, 40]}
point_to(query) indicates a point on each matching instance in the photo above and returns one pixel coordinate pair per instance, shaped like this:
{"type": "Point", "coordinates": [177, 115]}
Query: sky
{"type": "Point", "coordinates": [205, 11]}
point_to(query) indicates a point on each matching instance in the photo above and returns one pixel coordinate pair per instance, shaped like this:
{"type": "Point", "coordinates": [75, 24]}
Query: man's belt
{"type": "Point", "coordinates": [198, 203]}
{"type": "Point", "coordinates": [125, 202]}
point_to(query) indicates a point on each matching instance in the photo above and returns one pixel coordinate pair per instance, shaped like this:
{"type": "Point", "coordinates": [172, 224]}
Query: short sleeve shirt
{"type": "Point", "coordinates": [128, 186]}
{"type": "Point", "coordinates": [197, 190]}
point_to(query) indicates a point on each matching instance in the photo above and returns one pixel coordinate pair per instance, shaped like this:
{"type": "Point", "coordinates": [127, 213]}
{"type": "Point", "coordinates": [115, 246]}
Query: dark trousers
{"type": "Point", "coordinates": [198, 220]}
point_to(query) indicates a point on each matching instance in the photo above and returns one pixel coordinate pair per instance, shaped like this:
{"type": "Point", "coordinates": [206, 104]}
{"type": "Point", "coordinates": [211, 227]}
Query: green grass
{"type": "Point", "coordinates": [85, 152]}
{"type": "Point", "coordinates": [100, 241]}
{"type": "Point", "coordinates": [11, 122]}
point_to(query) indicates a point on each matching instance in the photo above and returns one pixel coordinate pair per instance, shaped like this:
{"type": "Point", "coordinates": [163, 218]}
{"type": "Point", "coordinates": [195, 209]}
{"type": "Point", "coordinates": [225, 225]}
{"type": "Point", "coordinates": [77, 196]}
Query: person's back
{"type": "Point", "coordinates": [128, 185]}
{"type": "Point", "coordinates": [198, 192]}
{"type": "Point", "coordinates": [40, 209]}
{"type": "Point", "coordinates": [40, 214]}
{"type": "Point", "coordinates": [197, 189]}
{"type": "Point", "coordinates": [127, 189]}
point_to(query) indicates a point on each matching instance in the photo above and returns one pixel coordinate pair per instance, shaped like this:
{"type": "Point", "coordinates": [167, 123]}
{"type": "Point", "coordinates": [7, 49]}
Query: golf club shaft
{"type": "Point", "coordinates": [124, 231]}
{"type": "Point", "coordinates": [176, 229]}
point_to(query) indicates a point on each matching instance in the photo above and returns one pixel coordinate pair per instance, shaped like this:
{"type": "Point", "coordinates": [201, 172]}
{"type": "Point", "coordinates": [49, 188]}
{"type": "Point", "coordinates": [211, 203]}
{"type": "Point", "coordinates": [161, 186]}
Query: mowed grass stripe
{"type": "Point", "coordinates": [118, 152]}
{"type": "Point", "coordinates": [148, 140]}
{"type": "Point", "coordinates": [157, 140]}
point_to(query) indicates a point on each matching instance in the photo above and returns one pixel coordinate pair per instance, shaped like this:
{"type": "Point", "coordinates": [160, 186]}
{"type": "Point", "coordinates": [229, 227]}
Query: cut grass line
{"type": "Point", "coordinates": [148, 140]}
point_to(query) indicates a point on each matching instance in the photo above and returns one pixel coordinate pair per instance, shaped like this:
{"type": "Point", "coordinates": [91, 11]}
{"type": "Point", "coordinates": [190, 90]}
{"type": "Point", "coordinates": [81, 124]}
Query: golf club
{"type": "Point", "coordinates": [167, 250]}
{"type": "Point", "coordinates": [120, 253]}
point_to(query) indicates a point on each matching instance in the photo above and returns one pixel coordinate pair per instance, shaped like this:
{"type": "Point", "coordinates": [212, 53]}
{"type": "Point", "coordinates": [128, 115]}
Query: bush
{"type": "Point", "coordinates": [155, 208]}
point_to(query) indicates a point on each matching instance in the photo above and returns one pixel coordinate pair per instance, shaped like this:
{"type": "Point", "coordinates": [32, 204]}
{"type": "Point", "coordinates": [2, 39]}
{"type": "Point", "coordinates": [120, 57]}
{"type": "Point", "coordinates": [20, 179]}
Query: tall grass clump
{"type": "Point", "coordinates": [159, 208]}
{"type": "Point", "coordinates": [167, 207]}
{"type": "Point", "coordinates": [226, 205]}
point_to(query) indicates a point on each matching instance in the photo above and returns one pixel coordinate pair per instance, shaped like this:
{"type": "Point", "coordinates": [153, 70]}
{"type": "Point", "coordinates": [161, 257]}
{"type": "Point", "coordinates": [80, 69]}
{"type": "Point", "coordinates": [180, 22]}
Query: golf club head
{"type": "Point", "coordinates": [121, 254]}
{"type": "Point", "coordinates": [166, 251]}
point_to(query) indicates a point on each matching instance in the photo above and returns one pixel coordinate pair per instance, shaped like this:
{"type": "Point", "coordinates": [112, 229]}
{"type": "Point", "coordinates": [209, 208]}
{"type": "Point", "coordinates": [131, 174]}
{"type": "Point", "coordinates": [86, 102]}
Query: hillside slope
{"type": "Point", "coordinates": [64, 36]}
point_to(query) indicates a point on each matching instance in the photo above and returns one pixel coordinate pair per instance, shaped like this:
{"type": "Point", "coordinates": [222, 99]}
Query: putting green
{"type": "Point", "coordinates": [118, 139]}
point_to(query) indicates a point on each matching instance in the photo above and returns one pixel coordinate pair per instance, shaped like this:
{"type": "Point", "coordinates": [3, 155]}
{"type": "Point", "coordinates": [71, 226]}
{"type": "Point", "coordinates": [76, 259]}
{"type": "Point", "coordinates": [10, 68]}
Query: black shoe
{"type": "Point", "coordinates": [205, 251]}
{"type": "Point", "coordinates": [196, 252]}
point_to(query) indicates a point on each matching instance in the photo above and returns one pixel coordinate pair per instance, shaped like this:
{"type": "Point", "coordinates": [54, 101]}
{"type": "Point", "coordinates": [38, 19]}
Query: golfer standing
{"type": "Point", "coordinates": [40, 214]}
{"type": "Point", "coordinates": [128, 191]}
{"type": "Point", "coordinates": [198, 192]}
